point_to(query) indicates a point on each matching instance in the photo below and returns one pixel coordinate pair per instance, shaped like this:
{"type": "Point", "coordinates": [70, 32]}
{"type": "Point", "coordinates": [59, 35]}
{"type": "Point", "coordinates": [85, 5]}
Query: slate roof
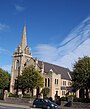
{"type": "Point", "coordinates": [57, 69]}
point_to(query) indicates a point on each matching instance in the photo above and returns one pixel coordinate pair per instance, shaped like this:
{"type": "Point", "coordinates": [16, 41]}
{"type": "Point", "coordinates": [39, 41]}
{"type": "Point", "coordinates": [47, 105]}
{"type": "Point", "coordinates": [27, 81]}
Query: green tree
{"type": "Point", "coordinates": [81, 74]}
{"type": "Point", "coordinates": [30, 79]}
{"type": "Point", "coordinates": [4, 81]}
{"type": "Point", "coordinates": [45, 91]}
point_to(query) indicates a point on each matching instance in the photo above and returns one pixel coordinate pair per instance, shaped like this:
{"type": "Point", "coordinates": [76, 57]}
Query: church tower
{"type": "Point", "coordinates": [20, 59]}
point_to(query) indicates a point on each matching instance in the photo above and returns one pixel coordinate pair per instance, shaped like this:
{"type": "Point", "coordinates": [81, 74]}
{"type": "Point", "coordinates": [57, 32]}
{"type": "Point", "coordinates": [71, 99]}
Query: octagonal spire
{"type": "Point", "coordinates": [23, 43]}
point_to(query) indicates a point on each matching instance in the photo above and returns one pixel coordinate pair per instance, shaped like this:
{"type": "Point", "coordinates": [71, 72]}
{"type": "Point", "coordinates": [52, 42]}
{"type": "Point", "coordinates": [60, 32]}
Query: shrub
{"type": "Point", "coordinates": [13, 95]}
{"type": "Point", "coordinates": [84, 100]}
{"type": "Point", "coordinates": [63, 98]}
{"type": "Point", "coordinates": [28, 96]}
{"type": "Point", "coordinates": [1, 96]}
{"type": "Point", "coordinates": [45, 91]}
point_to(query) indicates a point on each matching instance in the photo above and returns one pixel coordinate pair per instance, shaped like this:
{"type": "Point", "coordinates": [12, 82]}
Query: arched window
{"type": "Point", "coordinates": [45, 82]}
{"type": "Point", "coordinates": [55, 81]}
{"type": "Point", "coordinates": [17, 64]}
{"type": "Point", "coordinates": [48, 82]}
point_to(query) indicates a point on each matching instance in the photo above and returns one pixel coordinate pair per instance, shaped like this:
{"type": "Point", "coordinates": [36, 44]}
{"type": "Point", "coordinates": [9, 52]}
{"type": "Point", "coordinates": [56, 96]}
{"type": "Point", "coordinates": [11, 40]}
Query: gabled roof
{"type": "Point", "coordinates": [56, 69]}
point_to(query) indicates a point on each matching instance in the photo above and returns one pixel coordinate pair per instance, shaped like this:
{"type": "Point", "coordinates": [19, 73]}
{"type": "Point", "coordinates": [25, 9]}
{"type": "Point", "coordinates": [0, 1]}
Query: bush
{"type": "Point", "coordinates": [63, 98]}
{"type": "Point", "coordinates": [1, 96]}
{"type": "Point", "coordinates": [28, 96]}
{"type": "Point", "coordinates": [13, 95]}
{"type": "Point", "coordinates": [45, 91]}
{"type": "Point", "coordinates": [75, 99]}
{"type": "Point", "coordinates": [83, 100]}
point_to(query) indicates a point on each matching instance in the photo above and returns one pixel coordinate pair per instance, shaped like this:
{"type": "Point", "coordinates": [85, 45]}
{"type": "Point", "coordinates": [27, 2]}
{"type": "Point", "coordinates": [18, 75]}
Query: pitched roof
{"type": "Point", "coordinates": [57, 69]}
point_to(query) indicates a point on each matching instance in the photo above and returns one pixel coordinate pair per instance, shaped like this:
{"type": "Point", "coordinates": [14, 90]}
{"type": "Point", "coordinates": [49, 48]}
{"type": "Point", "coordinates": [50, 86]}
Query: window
{"type": "Point", "coordinates": [63, 92]}
{"type": "Point", "coordinates": [45, 82]}
{"type": "Point", "coordinates": [55, 81]}
{"type": "Point", "coordinates": [69, 83]}
{"type": "Point", "coordinates": [64, 83]}
{"type": "Point", "coordinates": [17, 64]}
{"type": "Point", "coordinates": [41, 100]}
{"type": "Point", "coordinates": [48, 82]}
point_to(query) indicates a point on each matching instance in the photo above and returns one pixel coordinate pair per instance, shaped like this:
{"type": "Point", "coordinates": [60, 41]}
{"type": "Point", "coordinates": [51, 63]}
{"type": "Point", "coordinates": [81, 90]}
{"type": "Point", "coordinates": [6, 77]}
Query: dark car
{"type": "Point", "coordinates": [44, 104]}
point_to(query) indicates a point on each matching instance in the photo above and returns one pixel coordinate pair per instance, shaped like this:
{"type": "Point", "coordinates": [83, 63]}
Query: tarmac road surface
{"type": "Point", "coordinates": [10, 107]}
{"type": "Point", "coordinates": [17, 106]}
{"type": "Point", "coordinates": [13, 106]}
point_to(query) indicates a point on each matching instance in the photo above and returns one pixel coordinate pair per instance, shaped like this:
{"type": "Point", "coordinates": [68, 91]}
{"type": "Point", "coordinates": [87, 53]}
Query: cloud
{"type": "Point", "coordinates": [3, 27]}
{"type": "Point", "coordinates": [75, 45]}
{"type": "Point", "coordinates": [5, 51]}
{"type": "Point", "coordinates": [19, 8]}
{"type": "Point", "coordinates": [69, 58]}
{"type": "Point", "coordinates": [6, 68]}
{"type": "Point", "coordinates": [45, 52]}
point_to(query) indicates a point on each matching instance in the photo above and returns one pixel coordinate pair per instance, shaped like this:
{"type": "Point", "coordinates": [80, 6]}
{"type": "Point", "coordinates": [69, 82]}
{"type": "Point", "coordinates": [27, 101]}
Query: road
{"type": "Point", "coordinates": [16, 106]}
{"type": "Point", "coordinates": [9, 107]}
{"type": "Point", "coordinates": [13, 107]}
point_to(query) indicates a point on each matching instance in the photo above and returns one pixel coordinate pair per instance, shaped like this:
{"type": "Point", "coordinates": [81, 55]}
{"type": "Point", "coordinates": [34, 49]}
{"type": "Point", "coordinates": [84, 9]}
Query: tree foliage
{"type": "Point", "coordinates": [30, 79]}
{"type": "Point", "coordinates": [4, 79]}
{"type": "Point", "coordinates": [45, 91]}
{"type": "Point", "coordinates": [81, 73]}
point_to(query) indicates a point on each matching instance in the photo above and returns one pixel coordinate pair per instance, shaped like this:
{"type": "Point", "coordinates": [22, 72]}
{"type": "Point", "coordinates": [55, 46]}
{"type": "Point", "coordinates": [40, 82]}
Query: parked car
{"type": "Point", "coordinates": [44, 104]}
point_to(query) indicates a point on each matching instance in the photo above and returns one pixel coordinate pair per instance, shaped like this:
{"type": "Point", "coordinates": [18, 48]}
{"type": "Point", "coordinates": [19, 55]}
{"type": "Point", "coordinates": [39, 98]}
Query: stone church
{"type": "Point", "coordinates": [57, 78]}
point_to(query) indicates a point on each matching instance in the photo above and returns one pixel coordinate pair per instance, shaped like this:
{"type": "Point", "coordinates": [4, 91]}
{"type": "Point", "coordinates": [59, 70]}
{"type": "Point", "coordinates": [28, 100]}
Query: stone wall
{"type": "Point", "coordinates": [28, 102]}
